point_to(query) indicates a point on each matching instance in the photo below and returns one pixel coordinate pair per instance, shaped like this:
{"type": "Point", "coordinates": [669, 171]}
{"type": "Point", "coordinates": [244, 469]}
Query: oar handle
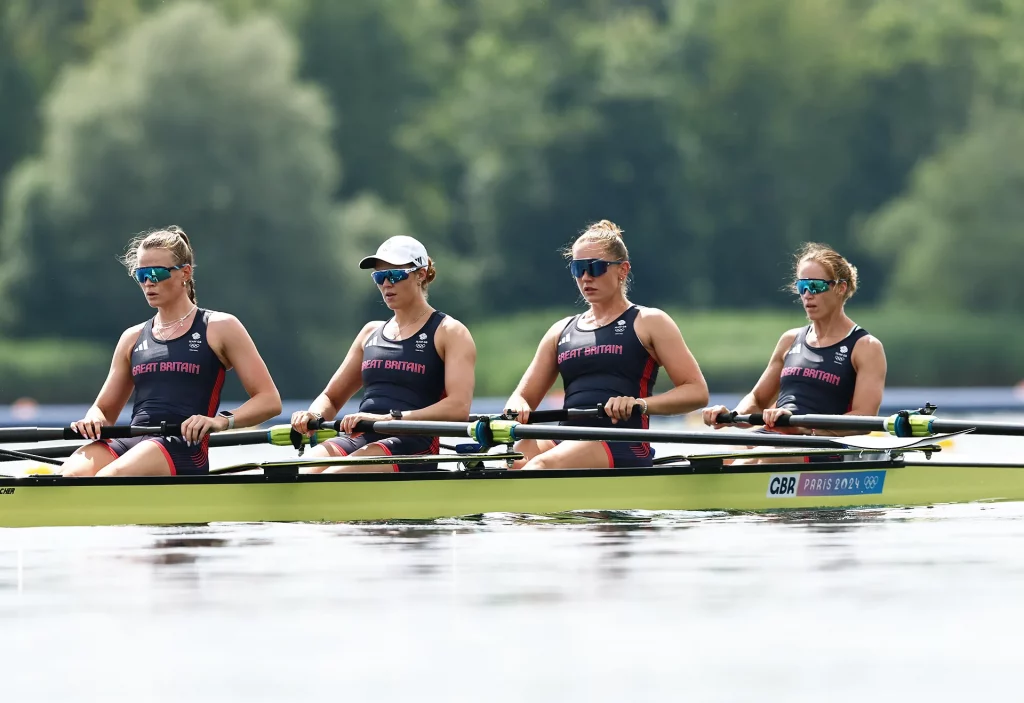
{"type": "Point", "coordinates": [734, 418]}
{"type": "Point", "coordinates": [44, 434]}
{"type": "Point", "coordinates": [537, 416]}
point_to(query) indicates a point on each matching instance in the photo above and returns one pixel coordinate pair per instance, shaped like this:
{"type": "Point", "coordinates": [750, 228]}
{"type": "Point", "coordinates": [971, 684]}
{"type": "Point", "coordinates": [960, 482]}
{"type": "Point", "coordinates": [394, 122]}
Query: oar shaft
{"type": "Point", "coordinates": [513, 431]}
{"type": "Point", "coordinates": [912, 424]}
{"type": "Point", "coordinates": [812, 422]}
{"type": "Point", "coordinates": [46, 434]}
{"type": "Point", "coordinates": [11, 455]}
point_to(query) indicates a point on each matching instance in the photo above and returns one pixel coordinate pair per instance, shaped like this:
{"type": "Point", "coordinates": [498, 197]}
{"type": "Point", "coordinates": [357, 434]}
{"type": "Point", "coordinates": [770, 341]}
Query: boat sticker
{"type": "Point", "coordinates": [818, 483]}
{"type": "Point", "coordinates": [6, 491]}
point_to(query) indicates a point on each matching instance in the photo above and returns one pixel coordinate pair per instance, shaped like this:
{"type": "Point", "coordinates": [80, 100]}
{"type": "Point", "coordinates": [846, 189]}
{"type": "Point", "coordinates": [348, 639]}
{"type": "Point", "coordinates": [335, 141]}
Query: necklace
{"type": "Point", "coordinates": [162, 327]}
{"type": "Point", "coordinates": [602, 323]}
{"type": "Point", "coordinates": [398, 335]}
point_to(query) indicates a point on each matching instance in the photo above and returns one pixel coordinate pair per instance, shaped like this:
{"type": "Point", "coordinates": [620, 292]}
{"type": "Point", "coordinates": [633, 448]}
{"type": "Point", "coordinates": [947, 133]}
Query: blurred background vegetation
{"type": "Point", "coordinates": [289, 137]}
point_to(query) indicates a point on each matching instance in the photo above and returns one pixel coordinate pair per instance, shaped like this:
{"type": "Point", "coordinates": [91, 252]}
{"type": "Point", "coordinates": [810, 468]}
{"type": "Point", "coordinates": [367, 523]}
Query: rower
{"type": "Point", "coordinates": [831, 366]}
{"type": "Point", "coordinates": [419, 365]}
{"type": "Point", "coordinates": [608, 355]}
{"type": "Point", "coordinates": [176, 364]}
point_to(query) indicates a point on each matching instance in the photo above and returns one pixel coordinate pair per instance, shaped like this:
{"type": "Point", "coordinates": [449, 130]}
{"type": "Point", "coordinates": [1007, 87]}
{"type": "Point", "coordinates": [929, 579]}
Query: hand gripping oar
{"type": "Point", "coordinates": [906, 423]}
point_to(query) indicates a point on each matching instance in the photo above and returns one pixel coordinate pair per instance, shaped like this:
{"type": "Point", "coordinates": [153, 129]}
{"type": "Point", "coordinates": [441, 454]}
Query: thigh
{"type": "Point", "coordinates": [530, 448]}
{"type": "Point", "coordinates": [630, 455]}
{"type": "Point", "coordinates": [147, 458]}
{"type": "Point", "coordinates": [88, 459]}
{"type": "Point", "coordinates": [368, 450]}
{"type": "Point", "coordinates": [411, 445]}
{"type": "Point", "coordinates": [573, 455]}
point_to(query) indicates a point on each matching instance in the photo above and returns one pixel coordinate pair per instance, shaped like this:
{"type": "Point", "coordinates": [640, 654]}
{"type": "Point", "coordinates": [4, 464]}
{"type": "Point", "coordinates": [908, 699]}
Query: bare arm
{"type": "Point", "coordinates": [541, 374]}
{"type": "Point", "coordinates": [766, 390]}
{"type": "Point", "coordinates": [347, 379]}
{"type": "Point", "coordinates": [118, 387]}
{"type": "Point", "coordinates": [233, 344]}
{"type": "Point", "coordinates": [116, 390]}
{"type": "Point", "coordinates": [665, 343]}
{"type": "Point", "coordinates": [455, 345]}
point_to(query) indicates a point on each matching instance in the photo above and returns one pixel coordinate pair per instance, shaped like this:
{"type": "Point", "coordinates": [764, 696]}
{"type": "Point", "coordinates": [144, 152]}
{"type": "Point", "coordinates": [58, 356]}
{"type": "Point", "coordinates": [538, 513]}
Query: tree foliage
{"type": "Point", "coordinates": [189, 120]}
{"type": "Point", "coordinates": [719, 134]}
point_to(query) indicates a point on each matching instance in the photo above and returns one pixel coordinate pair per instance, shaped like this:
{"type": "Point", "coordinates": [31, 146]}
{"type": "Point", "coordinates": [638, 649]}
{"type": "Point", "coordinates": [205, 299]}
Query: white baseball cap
{"type": "Point", "coordinates": [397, 251]}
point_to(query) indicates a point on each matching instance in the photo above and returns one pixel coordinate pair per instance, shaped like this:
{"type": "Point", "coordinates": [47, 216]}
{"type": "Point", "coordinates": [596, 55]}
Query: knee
{"type": "Point", "coordinates": [542, 461]}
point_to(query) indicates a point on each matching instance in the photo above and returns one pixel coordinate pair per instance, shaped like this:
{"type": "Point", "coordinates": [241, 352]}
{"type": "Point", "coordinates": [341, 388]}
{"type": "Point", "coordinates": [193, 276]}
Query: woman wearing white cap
{"type": "Point", "coordinates": [419, 365]}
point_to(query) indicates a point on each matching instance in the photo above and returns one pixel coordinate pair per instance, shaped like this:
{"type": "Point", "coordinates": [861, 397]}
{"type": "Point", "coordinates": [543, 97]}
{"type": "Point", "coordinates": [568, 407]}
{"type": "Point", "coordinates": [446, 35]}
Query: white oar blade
{"type": "Point", "coordinates": [883, 442]}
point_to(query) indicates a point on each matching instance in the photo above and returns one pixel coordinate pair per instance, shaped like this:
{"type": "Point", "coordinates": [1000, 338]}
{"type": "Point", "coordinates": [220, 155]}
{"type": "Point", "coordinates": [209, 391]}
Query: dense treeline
{"type": "Point", "coordinates": [289, 136]}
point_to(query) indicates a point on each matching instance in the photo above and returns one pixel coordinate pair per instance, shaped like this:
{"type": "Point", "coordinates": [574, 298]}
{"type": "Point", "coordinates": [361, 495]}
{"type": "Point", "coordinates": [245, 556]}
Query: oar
{"type": "Point", "coordinates": [490, 433]}
{"type": "Point", "coordinates": [10, 435]}
{"type": "Point", "coordinates": [536, 417]}
{"type": "Point", "coordinates": [342, 461]}
{"type": "Point", "coordinates": [11, 455]}
{"type": "Point", "coordinates": [902, 424]}
{"type": "Point", "coordinates": [278, 435]}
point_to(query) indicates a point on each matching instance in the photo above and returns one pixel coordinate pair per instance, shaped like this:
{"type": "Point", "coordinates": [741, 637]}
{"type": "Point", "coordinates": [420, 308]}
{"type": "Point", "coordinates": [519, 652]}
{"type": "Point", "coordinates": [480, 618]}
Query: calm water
{"type": "Point", "coordinates": [902, 604]}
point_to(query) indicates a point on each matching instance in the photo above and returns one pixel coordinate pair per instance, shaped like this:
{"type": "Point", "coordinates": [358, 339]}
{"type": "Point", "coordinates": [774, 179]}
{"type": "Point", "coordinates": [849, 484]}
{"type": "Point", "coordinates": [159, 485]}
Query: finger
{"type": "Point", "coordinates": [524, 415]}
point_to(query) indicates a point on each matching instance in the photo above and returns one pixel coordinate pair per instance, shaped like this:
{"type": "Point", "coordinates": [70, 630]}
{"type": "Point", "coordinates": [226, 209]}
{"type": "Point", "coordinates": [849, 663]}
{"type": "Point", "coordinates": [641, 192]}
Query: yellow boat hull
{"type": "Point", "coordinates": [42, 500]}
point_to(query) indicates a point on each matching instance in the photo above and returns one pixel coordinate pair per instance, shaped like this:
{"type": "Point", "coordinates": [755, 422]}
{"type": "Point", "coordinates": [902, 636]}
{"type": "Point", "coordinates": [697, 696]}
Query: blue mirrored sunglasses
{"type": "Point", "coordinates": [393, 275]}
{"type": "Point", "coordinates": [814, 286]}
{"type": "Point", "coordinates": [595, 267]}
{"type": "Point", "coordinates": [154, 274]}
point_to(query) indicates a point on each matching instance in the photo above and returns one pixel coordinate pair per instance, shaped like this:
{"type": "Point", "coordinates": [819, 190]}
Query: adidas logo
{"type": "Point", "coordinates": [795, 350]}
{"type": "Point", "coordinates": [142, 347]}
{"type": "Point", "coordinates": [564, 340]}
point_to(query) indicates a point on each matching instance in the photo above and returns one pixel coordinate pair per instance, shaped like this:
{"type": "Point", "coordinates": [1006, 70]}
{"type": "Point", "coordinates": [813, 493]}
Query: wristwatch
{"type": "Point", "coordinates": [230, 416]}
{"type": "Point", "coordinates": [396, 414]}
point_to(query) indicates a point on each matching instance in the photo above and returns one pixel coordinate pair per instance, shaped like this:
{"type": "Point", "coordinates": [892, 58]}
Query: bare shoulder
{"type": "Point", "coordinates": [128, 337]}
{"type": "Point", "coordinates": [656, 316]}
{"type": "Point", "coordinates": [869, 344]}
{"type": "Point", "coordinates": [556, 329]}
{"type": "Point", "coordinates": [789, 336]}
{"type": "Point", "coordinates": [368, 329]}
{"type": "Point", "coordinates": [223, 320]}
{"type": "Point", "coordinates": [133, 332]}
{"type": "Point", "coordinates": [449, 324]}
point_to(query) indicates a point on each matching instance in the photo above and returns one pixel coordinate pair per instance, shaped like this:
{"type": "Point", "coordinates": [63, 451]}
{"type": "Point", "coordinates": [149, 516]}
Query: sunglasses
{"type": "Point", "coordinates": [814, 286]}
{"type": "Point", "coordinates": [393, 275]}
{"type": "Point", "coordinates": [154, 274]}
{"type": "Point", "coordinates": [595, 267]}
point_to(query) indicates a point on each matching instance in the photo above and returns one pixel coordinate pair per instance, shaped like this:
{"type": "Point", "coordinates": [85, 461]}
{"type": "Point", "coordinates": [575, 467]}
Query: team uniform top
{"type": "Point", "coordinates": [819, 380]}
{"type": "Point", "coordinates": [174, 380]}
{"type": "Point", "coordinates": [604, 363]}
{"type": "Point", "coordinates": [402, 375]}
{"type": "Point", "coordinates": [405, 374]}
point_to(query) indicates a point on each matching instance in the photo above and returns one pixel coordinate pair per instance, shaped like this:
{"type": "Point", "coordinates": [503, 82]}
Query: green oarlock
{"type": "Point", "coordinates": [502, 431]}
{"type": "Point", "coordinates": [281, 436]}
{"type": "Point", "coordinates": [920, 425]}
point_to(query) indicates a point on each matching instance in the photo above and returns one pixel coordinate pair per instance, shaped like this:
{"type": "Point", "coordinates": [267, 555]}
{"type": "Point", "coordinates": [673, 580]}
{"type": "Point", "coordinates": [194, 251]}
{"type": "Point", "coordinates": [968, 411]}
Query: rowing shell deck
{"type": "Point", "coordinates": [285, 496]}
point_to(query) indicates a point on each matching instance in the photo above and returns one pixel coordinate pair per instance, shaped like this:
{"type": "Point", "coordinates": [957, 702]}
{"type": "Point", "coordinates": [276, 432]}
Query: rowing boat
{"type": "Point", "coordinates": [856, 472]}
{"type": "Point", "coordinates": [288, 496]}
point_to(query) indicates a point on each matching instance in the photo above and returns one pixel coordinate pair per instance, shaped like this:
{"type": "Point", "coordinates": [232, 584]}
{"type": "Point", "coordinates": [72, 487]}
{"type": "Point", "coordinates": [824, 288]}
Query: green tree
{"type": "Point", "coordinates": [957, 237]}
{"type": "Point", "coordinates": [221, 140]}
